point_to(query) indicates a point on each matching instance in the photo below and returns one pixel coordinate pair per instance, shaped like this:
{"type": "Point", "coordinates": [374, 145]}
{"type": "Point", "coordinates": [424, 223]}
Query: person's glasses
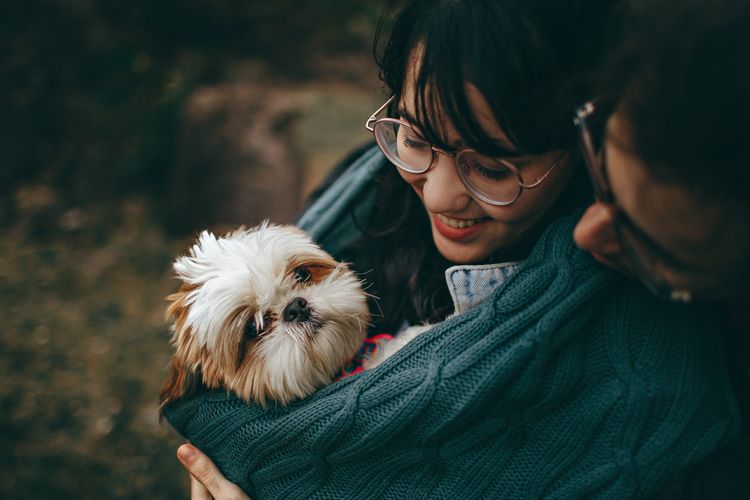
{"type": "Point", "coordinates": [646, 259]}
{"type": "Point", "coordinates": [496, 181]}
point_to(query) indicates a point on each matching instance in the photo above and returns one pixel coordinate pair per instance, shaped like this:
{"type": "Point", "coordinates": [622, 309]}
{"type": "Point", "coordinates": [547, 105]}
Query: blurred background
{"type": "Point", "coordinates": [126, 127]}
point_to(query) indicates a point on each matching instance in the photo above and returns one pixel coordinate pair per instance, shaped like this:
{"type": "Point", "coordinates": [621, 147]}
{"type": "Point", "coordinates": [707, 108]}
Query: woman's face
{"type": "Point", "coordinates": [466, 230]}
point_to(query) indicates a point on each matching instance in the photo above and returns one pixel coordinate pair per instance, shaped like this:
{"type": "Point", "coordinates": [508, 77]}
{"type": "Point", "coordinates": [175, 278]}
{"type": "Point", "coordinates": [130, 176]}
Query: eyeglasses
{"type": "Point", "coordinates": [646, 259]}
{"type": "Point", "coordinates": [492, 180]}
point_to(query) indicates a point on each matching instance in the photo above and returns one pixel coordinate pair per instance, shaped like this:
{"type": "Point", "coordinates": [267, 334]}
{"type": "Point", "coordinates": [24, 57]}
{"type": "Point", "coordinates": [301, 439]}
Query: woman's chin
{"type": "Point", "coordinates": [462, 252]}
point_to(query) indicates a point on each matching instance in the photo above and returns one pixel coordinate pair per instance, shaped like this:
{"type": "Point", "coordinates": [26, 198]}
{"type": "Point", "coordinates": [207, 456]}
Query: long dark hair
{"type": "Point", "coordinates": [533, 60]}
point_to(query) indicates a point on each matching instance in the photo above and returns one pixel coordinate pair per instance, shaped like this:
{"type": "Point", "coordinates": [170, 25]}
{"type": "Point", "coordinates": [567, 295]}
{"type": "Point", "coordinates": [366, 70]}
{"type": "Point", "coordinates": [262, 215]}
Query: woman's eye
{"type": "Point", "coordinates": [410, 143]}
{"type": "Point", "coordinates": [491, 172]}
{"type": "Point", "coordinates": [302, 275]}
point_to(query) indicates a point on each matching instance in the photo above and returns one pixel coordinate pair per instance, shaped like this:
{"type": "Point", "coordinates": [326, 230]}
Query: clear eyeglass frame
{"type": "Point", "coordinates": [460, 155]}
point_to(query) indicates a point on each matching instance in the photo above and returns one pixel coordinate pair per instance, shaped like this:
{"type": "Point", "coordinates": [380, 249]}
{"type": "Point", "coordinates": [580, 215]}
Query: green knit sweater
{"type": "Point", "coordinates": [568, 382]}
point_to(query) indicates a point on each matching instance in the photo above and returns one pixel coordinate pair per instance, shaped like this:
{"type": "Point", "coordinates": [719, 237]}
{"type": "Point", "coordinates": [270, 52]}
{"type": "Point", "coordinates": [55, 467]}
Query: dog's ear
{"type": "Point", "coordinates": [178, 305]}
{"type": "Point", "coordinates": [181, 383]}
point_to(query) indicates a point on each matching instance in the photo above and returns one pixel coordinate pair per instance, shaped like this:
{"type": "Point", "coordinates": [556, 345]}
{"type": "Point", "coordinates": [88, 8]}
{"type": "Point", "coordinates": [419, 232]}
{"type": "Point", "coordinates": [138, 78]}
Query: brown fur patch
{"type": "Point", "coordinates": [177, 308]}
{"type": "Point", "coordinates": [319, 269]}
{"type": "Point", "coordinates": [181, 382]}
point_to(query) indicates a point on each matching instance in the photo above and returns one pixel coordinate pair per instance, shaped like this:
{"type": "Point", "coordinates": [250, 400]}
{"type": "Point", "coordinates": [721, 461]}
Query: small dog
{"type": "Point", "coordinates": [263, 312]}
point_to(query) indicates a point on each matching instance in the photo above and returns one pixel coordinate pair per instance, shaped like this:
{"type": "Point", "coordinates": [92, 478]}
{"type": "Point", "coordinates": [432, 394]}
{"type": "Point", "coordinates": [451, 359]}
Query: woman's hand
{"type": "Point", "coordinates": [206, 482]}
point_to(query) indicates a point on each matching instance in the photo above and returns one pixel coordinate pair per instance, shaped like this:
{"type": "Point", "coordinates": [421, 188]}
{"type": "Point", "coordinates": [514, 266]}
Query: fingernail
{"type": "Point", "coordinates": [186, 453]}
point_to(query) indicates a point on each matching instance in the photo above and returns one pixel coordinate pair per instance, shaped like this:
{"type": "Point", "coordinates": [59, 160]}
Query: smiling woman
{"type": "Point", "coordinates": [467, 226]}
{"type": "Point", "coordinates": [478, 126]}
{"type": "Point", "coordinates": [546, 374]}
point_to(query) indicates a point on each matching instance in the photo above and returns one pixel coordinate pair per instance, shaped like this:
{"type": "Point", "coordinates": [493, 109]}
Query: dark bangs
{"type": "Point", "coordinates": [531, 59]}
{"type": "Point", "coordinates": [528, 59]}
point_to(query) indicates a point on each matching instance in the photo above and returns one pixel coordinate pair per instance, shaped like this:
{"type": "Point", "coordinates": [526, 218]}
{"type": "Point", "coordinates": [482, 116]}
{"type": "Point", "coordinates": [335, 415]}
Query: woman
{"type": "Point", "coordinates": [556, 377]}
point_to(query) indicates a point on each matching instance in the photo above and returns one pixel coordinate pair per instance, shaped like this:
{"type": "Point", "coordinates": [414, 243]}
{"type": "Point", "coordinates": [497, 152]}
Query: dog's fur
{"type": "Point", "coordinates": [264, 313]}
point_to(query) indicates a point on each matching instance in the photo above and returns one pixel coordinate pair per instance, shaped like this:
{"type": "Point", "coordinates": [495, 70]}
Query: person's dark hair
{"type": "Point", "coordinates": [531, 59]}
{"type": "Point", "coordinates": [534, 61]}
{"type": "Point", "coordinates": [680, 84]}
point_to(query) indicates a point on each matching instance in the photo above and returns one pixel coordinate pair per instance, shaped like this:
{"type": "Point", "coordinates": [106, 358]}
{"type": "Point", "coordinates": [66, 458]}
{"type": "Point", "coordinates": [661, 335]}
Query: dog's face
{"type": "Point", "coordinates": [264, 313]}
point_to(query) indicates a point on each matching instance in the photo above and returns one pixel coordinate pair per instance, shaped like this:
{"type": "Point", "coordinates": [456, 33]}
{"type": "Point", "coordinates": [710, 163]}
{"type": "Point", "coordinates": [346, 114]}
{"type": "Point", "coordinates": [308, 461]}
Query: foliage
{"type": "Point", "coordinates": [94, 89]}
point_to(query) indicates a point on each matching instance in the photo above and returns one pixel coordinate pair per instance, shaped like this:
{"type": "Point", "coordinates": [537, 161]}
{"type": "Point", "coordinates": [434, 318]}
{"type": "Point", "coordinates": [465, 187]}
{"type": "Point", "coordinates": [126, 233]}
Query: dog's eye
{"type": "Point", "coordinates": [302, 274]}
{"type": "Point", "coordinates": [250, 332]}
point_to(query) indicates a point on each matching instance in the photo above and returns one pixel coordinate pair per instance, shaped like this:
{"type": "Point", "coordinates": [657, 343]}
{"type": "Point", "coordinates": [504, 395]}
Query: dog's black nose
{"type": "Point", "coordinates": [297, 311]}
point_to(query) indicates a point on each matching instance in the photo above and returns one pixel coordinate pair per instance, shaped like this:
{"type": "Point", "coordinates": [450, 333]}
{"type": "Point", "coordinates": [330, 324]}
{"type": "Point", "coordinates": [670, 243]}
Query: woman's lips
{"type": "Point", "coordinates": [452, 228]}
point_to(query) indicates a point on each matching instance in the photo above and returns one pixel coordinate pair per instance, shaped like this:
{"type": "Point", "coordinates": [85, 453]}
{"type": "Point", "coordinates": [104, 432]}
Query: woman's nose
{"type": "Point", "coordinates": [442, 189]}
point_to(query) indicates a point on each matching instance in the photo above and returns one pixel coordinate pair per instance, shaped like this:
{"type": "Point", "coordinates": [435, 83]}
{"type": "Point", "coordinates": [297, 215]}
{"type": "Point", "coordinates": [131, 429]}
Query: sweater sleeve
{"type": "Point", "coordinates": [330, 218]}
{"type": "Point", "coordinates": [567, 383]}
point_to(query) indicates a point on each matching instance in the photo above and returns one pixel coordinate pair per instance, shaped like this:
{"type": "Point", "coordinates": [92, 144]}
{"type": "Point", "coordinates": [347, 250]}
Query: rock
{"type": "Point", "coordinates": [236, 160]}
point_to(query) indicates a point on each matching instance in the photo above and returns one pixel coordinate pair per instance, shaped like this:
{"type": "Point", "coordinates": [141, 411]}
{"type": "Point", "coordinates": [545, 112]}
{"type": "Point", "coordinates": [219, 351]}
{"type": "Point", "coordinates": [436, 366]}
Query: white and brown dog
{"type": "Point", "coordinates": [264, 313]}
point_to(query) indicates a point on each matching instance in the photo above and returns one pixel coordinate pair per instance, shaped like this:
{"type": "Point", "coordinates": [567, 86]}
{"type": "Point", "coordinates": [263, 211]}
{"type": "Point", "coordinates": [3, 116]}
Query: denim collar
{"type": "Point", "coordinates": [470, 285]}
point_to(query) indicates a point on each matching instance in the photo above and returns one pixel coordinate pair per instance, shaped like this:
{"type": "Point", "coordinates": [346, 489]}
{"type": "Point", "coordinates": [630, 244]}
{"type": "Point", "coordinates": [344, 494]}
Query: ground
{"type": "Point", "coordinates": [84, 344]}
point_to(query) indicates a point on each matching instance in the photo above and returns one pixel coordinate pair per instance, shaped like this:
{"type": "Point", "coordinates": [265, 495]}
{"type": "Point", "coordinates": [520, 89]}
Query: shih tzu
{"type": "Point", "coordinates": [264, 313]}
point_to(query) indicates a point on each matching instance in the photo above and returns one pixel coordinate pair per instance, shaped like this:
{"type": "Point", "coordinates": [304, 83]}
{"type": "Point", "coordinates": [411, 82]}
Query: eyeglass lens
{"type": "Point", "coordinates": [492, 178]}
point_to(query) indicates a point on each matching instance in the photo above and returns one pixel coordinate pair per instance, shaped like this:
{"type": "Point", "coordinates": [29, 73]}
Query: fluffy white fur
{"type": "Point", "coordinates": [387, 349]}
{"type": "Point", "coordinates": [253, 275]}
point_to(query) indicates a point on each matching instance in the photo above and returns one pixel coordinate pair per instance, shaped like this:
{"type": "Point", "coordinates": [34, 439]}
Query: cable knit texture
{"type": "Point", "coordinates": [568, 382]}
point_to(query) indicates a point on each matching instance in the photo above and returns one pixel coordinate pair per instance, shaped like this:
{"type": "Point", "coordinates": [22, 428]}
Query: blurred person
{"type": "Point", "coordinates": [547, 373]}
{"type": "Point", "coordinates": [666, 144]}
